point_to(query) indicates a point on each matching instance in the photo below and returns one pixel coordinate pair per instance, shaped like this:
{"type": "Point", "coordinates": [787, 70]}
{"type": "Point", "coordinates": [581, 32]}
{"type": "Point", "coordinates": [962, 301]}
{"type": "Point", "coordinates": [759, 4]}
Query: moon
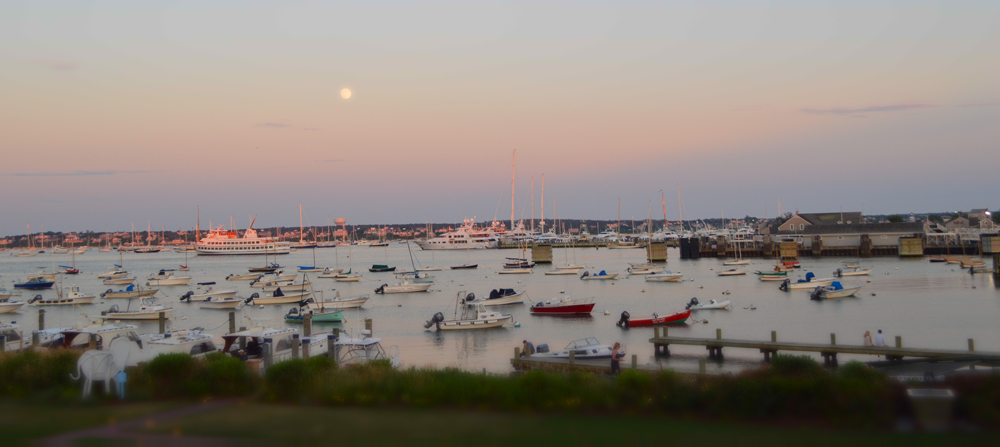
{"type": "Point", "coordinates": [345, 93]}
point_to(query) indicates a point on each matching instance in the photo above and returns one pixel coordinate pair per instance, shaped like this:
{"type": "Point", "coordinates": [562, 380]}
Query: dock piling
{"type": "Point", "coordinates": [295, 346]}
{"type": "Point", "coordinates": [972, 345]}
{"type": "Point", "coordinates": [232, 322]}
{"type": "Point", "coordinates": [243, 340]}
{"type": "Point", "coordinates": [899, 341]}
{"type": "Point", "coordinates": [572, 357]}
{"type": "Point", "coordinates": [774, 336]}
{"type": "Point", "coordinates": [517, 353]}
{"type": "Point", "coordinates": [41, 319]}
{"type": "Point", "coordinates": [163, 322]}
{"type": "Point", "coordinates": [368, 327]}
{"type": "Point", "coordinates": [266, 350]}
{"type": "Point", "coordinates": [307, 325]}
{"type": "Point", "coordinates": [93, 341]}
{"type": "Point", "coordinates": [701, 366]}
{"type": "Point", "coordinates": [635, 361]}
{"type": "Point", "coordinates": [331, 346]}
{"type": "Point", "coordinates": [305, 348]}
{"type": "Point", "coordinates": [3, 343]}
{"type": "Point", "coordinates": [718, 334]}
{"type": "Point", "coordinates": [833, 339]}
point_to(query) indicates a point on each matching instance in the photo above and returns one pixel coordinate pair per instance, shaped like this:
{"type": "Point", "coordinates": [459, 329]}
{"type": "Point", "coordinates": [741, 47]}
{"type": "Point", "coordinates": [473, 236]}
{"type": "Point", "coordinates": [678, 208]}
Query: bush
{"type": "Point", "coordinates": [40, 375]}
{"type": "Point", "coordinates": [182, 376]}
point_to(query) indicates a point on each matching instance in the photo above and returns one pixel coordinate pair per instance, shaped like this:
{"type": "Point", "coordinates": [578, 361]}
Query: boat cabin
{"type": "Point", "coordinates": [354, 351]}
{"type": "Point", "coordinates": [248, 344]}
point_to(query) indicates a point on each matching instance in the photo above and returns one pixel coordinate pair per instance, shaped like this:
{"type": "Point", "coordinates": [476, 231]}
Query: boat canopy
{"type": "Point", "coordinates": [500, 293]}
{"type": "Point", "coordinates": [809, 277]}
{"type": "Point", "coordinates": [836, 285]}
{"type": "Point", "coordinates": [583, 342]}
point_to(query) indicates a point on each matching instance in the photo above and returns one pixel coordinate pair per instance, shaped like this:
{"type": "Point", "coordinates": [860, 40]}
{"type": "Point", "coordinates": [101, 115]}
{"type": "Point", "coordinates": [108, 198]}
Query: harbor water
{"type": "Point", "coordinates": [929, 305]}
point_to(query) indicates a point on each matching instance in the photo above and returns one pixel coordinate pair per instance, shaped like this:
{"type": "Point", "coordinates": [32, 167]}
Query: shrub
{"type": "Point", "coordinates": [41, 375]}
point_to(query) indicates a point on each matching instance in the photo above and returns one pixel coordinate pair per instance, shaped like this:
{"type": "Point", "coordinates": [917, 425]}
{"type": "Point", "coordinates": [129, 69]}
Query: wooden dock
{"type": "Point", "coordinates": [661, 345]}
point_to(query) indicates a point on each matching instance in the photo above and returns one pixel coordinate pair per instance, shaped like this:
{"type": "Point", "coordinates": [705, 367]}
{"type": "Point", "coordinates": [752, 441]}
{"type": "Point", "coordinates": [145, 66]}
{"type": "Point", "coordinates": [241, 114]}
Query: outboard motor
{"type": "Point", "coordinates": [230, 276]}
{"type": "Point", "coordinates": [187, 296]}
{"type": "Point", "coordinates": [584, 275]}
{"type": "Point", "coordinates": [816, 294]}
{"type": "Point", "coordinates": [106, 292]}
{"type": "Point", "coordinates": [113, 309]}
{"type": "Point", "coordinates": [784, 284]}
{"type": "Point", "coordinates": [36, 298]}
{"type": "Point", "coordinates": [623, 321]}
{"type": "Point", "coordinates": [693, 302]}
{"type": "Point", "coordinates": [435, 320]}
{"type": "Point", "coordinates": [381, 289]}
{"type": "Point", "coordinates": [838, 273]}
{"type": "Point", "coordinates": [250, 300]}
{"type": "Point", "coordinates": [293, 311]}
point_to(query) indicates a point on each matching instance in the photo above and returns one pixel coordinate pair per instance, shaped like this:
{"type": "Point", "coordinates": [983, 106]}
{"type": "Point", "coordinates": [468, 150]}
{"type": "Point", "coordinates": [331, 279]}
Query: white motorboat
{"type": "Point", "coordinates": [8, 305]}
{"type": "Point", "coordinates": [13, 337]}
{"type": "Point", "coordinates": [130, 292]}
{"type": "Point", "coordinates": [208, 295]}
{"type": "Point", "coordinates": [664, 277]}
{"type": "Point", "coordinates": [222, 303]}
{"type": "Point", "coordinates": [736, 262]}
{"type": "Point", "coordinates": [248, 344]}
{"type": "Point", "coordinates": [858, 271]}
{"type": "Point", "coordinates": [809, 283]}
{"type": "Point", "coordinates": [114, 273]}
{"type": "Point", "coordinates": [260, 284]}
{"type": "Point", "coordinates": [644, 270]}
{"type": "Point", "coordinates": [711, 304]}
{"type": "Point", "coordinates": [515, 271]}
{"type": "Point", "coordinates": [500, 297]}
{"type": "Point", "coordinates": [474, 316]}
{"type": "Point", "coordinates": [339, 303]}
{"type": "Point", "coordinates": [289, 287]}
{"type": "Point", "coordinates": [348, 278]}
{"type": "Point", "coordinates": [170, 280]}
{"type": "Point", "coordinates": [330, 272]}
{"type": "Point", "coordinates": [72, 298]}
{"type": "Point", "coordinates": [4, 293]}
{"type": "Point", "coordinates": [79, 336]}
{"type": "Point", "coordinates": [278, 297]}
{"type": "Point", "coordinates": [403, 287]}
{"type": "Point", "coordinates": [466, 237]}
{"type": "Point", "coordinates": [732, 272]}
{"type": "Point", "coordinates": [146, 310]}
{"type": "Point", "coordinates": [582, 349]}
{"type": "Point", "coordinates": [563, 271]}
{"type": "Point", "coordinates": [602, 275]}
{"type": "Point", "coordinates": [356, 351]}
{"type": "Point", "coordinates": [247, 277]}
{"type": "Point", "coordinates": [832, 291]}
{"type": "Point", "coordinates": [766, 277]}
{"type": "Point", "coordinates": [119, 281]}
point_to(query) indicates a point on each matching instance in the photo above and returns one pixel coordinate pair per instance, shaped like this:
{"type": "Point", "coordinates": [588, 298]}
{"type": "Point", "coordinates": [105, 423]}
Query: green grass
{"type": "Point", "coordinates": [298, 424]}
{"type": "Point", "coordinates": [22, 422]}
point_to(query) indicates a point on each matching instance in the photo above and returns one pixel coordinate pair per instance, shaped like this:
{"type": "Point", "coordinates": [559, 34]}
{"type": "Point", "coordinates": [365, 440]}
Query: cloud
{"type": "Point", "coordinates": [72, 173]}
{"type": "Point", "coordinates": [873, 109]}
{"type": "Point", "coordinates": [273, 125]}
{"type": "Point", "coordinates": [62, 66]}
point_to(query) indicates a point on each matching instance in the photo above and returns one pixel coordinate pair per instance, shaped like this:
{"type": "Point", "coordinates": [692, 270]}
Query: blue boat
{"type": "Point", "coordinates": [35, 283]}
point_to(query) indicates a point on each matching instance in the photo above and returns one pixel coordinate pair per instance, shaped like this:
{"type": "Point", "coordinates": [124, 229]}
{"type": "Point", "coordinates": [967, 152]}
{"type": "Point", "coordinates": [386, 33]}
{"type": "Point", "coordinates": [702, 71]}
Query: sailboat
{"type": "Point", "coordinates": [302, 242]}
{"type": "Point", "coordinates": [71, 270]}
{"type": "Point", "coordinates": [348, 276]}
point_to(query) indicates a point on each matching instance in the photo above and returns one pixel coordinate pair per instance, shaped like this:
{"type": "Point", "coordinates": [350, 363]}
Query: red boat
{"type": "Point", "coordinates": [792, 264]}
{"type": "Point", "coordinates": [563, 307]}
{"type": "Point", "coordinates": [653, 320]}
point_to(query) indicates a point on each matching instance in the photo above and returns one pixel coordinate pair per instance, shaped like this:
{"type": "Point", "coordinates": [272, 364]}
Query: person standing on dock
{"type": "Point", "coordinates": [880, 339]}
{"type": "Point", "coordinates": [868, 339]}
{"type": "Point", "coordinates": [615, 358]}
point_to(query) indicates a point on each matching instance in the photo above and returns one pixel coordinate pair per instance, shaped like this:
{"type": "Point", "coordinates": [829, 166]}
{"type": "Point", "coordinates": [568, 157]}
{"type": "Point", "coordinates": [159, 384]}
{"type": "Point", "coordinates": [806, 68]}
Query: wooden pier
{"type": "Point", "coordinates": [661, 346]}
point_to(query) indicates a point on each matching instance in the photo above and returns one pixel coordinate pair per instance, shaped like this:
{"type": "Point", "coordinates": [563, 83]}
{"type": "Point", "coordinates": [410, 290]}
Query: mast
{"type": "Point", "coordinates": [663, 197]}
{"type": "Point", "coordinates": [513, 175]}
{"type": "Point", "coordinates": [532, 204]}
{"type": "Point", "coordinates": [300, 222]}
{"type": "Point", "coordinates": [543, 204]}
{"type": "Point", "coordinates": [680, 209]}
{"type": "Point", "coordinates": [197, 227]}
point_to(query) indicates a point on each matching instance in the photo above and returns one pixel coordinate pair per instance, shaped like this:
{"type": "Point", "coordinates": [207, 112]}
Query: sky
{"type": "Point", "coordinates": [120, 112]}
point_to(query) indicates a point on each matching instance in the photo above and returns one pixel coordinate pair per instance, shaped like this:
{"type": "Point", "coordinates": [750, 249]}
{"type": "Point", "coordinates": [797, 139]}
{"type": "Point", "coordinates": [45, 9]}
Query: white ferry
{"type": "Point", "coordinates": [466, 237]}
{"type": "Point", "coordinates": [222, 242]}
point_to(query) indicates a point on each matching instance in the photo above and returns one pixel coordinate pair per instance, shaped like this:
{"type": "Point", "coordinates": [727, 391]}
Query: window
{"type": "Point", "coordinates": [802, 226]}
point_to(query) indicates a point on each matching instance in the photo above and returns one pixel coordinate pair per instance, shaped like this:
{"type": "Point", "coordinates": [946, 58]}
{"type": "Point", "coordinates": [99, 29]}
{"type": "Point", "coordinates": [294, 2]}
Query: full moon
{"type": "Point", "coordinates": [345, 93]}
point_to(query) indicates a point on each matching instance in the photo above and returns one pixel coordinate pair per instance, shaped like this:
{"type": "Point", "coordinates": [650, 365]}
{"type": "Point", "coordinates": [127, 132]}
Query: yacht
{"type": "Point", "coordinates": [466, 237]}
{"type": "Point", "coordinates": [222, 242]}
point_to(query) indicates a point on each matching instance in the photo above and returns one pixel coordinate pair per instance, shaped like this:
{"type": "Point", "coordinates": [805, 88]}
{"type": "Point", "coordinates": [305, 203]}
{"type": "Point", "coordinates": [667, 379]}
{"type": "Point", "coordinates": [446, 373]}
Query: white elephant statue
{"type": "Point", "coordinates": [105, 365]}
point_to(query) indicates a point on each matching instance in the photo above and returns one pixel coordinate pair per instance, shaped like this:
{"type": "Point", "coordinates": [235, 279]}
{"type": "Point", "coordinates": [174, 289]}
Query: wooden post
{"type": "Point", "coordinates": [93, 341]}
{"type": "Point", "coordinates": [572, 357]}
{"type": "Point", "coordinates": [331, 346]}
{"type": "Point", "coordinates": [517, 353]}
{"type": "Point", "coordinates": [295, 346]}
{"type": "Point", "coordinates": [36, 338]}
{"type": "Point", "coordinates": [243, 340]}
{"type": "Point", "coordinates": [268, 354]}
{"type": "Point", "coordinates": [972, 345]}
{"type": "Point", "coordinates": [635, 361]}
{"type": "Point", "coordinates": [368, 327]}
{"type": "Point", "coordinates": [232, 322]}
{"type": "Point", "coordinates": [899, 342]}
{"type": "Point", "coordinates": [656, 332]}
{"type": "Point", "coordinates": [305, 348]}
{"type": "Point", "coordinates": [701, 366]}
{"type": "Point", "coordinates": [664, 332]}
{"type": "Point", "coordinates": [774, 336]}
{"type": "Point", "coordinates": [163, 322]}
{"type": "Point", "coordinates": [307, 325]}
{"type": "Point", "coordinates": [718, 334]}
{"type": "Point", "coordinates": [833, 339]}
{"type": "Point", "coordinates": [41, 319]}
{"type": "Point", "coordinates": [3, 343]}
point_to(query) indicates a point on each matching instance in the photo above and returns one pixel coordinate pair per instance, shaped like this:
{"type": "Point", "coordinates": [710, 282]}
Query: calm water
{"type": "Point", "coordinates": [929, 305]}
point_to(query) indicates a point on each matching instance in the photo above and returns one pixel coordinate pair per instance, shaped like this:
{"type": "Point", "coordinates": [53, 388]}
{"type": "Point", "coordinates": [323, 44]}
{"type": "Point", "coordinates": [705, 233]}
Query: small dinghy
{"type": "Point", "coordinates": [602, 275]}
{"type": "Point", "coordinates": [500, 297]}
{"type": "Point", "coordinates": [858, 271]}
{"type": "Point", "coordinates": [809, 283]}
{"type": "Point", "coordinates": [712, 304]}
{"type": "Point", "coordinates": [834, 290]}
{"type": "Point", "coordinates": [626, 321]}
{"type": "Point", "coordinates": [565, 306]}
{"type": "Point", "coordinates": [732, 272]}
{"type": "Point", "coordinates": [582, 349]}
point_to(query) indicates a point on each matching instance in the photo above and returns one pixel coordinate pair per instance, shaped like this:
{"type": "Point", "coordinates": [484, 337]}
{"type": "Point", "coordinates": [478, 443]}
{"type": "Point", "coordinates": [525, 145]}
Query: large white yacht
{"type": "Point", "coordinates": [466, 237]}
{"type": "Point", "coordinates": [223, 242]}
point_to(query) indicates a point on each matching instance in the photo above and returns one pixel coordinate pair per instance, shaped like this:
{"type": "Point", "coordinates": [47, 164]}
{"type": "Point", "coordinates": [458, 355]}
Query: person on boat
{"type": "Point", "coordinates": [616, 358]}
{"type": "Point", "coordinates": [879, 339]}
{"type": "Point", "coordinates": [868, 339]}
{"type": "Point", "coordinates": [527, 348]}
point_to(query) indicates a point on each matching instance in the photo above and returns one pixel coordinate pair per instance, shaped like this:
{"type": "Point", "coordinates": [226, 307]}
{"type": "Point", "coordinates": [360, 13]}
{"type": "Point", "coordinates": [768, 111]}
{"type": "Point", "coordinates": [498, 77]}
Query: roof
{"type": "Point", "coordinates": [831, 218]}
{"type": "Point", "coordinates": [979, 211]}
{"type": "Point", "coordinates": [875, 228]}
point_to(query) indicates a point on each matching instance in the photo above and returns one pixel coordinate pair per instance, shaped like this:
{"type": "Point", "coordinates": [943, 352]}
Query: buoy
{"type": "Point", "coordinates": [704, 321]}
{"type": "Point", "coordinates": [517, 324]}
{"type": "Point", "coordinates": [399, 305]}
{"type": "Point", "coordinates": [261, 306]}
{"type": "Point", "coordinates": [701, 287]}
{"type": "Point", "coordinates": [752, 307]}
{"type": "Point", "coordinates": [873, 293]}
{"type": "Point", "coordinates": [184, 318]}
{"type": "Point", "coordinates": [607, 312]}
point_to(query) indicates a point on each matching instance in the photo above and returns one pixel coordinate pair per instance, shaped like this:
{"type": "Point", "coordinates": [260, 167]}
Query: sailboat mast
{"type": "Point", "coordinates": [532, 204]}
{"type": "Point", "coordinates": [197, 227]}
{"type": "Point", "coordinates": [680, 209]}
{"type": "Point", "coordinates": [543, 204]}
{"type": "Point", "coordinates": [300, 222]}
{"type": "Point", "coordinates": [663, 197]}
{"type": "Point", "coordinates": [513, 175]}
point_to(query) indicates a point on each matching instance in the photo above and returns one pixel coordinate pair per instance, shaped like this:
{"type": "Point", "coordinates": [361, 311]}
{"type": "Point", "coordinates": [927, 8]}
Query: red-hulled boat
{"type": "Point", "coordinates": [565, 306]}
{"type": "Point", "coordinates": [653, 320]}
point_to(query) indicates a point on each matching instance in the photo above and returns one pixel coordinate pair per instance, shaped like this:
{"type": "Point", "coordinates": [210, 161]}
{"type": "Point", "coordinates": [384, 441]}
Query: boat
{"type": "Point", "coordinates": [980, 269]}
{"type": "Point", "coordinates": [736, 262]}
{"type": "Point", "coordinates": [465, 267]}
{"type": "Point", "coordinates": [114, 273]}
{"type": "Point", "coordinates": [269, 268]}
{"type": "Point", "coordinates": [278, 297]}
{"type": "Point", "coordinates": [971, 263]}
{"type": "Point", "coordinates": [222, 303]}
{"type": "Point", "coordinates": [664, 277]}
{"type": "Point", "coordinates": [582, 349]}
{"type": "Point", "coordinates": [500, 297]}
{"type": "Point", "coordinates": [338, 302]}
{"type": "Point", "coordinates": [627, 321]}
{"type": "Point", "coordinates": [130, 292]}
{"type": "Point", "coordinates": [792, 264]}
{"type": "Point", "coordinates": [358, 351]}
{"type": "Point", "coordinates": [772, 277]}
{"type": "Point", "coordinates": [936, 259]}
{"type": "Point", "coordinates": [564, 306]}
{"type": "Point", "coordinates": [35, 283]}
{"type": "Point", "coordinates": [416, 277]}
{"type": "Point", "coordinates": [4, 293]}
{"type": "Point", "coordinates": [474, 316]}
{"type": "Point", "coordinates": [330, 272]}
{"type": "Point", "coordinates": [209, 294]}
{"type": "Point", "coordinates": [517, 271]}
{"type": "Point", "coordinates": [809, 283]}
{"type": "Point", "coordinates": [8, 305]}
{"type": "Point", "coordinates": [858, 271]}
{"type": "Point", "coordinates": [347, 278]}
{"type": "Point", "coordinates": [289, 286]}
{"type": "Point", "coordinates": [602, 275]}
{"type": "Point", "coordinates": [834, 290]}
{"type": "Point", "coordinates": [466, 237]}
{"type": "Point", "coordinates": [732, 272]}
{"type": "Point", "coordinates": [68, 270]}
{"type": "Point", "coordinates": [222, 242]}
{"type": "Point", "coordinates": [248, 344]}
{"type": "Point", "coordinates": [119, 281]}
{"type": "Point", "coordinates": [564, 271]}
{"type": "Point", "coordinates": [644, 270]}
{"type": "Point", "coordinates": [775, 272]}
{"type": "Point", "coordinates": [79, 336]}
{"type": "Point", "coordinates": [247, 277]}
{"type": "Point", "coordinates": [403, 287]}
{"type": "Point", "coordinates": [711, 304]}
{"type": "Point", "coordinates": [518, 263]}
{"type": "Point", "coordinates": [378, 268]}
{"type": "Point", "coordinates": [146, 310]}
{"type": "Point", "coordinates": [74, 297]}
{"type": "Point", "coordinates": [12, 335]}
{"type": "Point", "coordinates": [298, 315]}
{"type": "Point", "coordinates": [169, 280]}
